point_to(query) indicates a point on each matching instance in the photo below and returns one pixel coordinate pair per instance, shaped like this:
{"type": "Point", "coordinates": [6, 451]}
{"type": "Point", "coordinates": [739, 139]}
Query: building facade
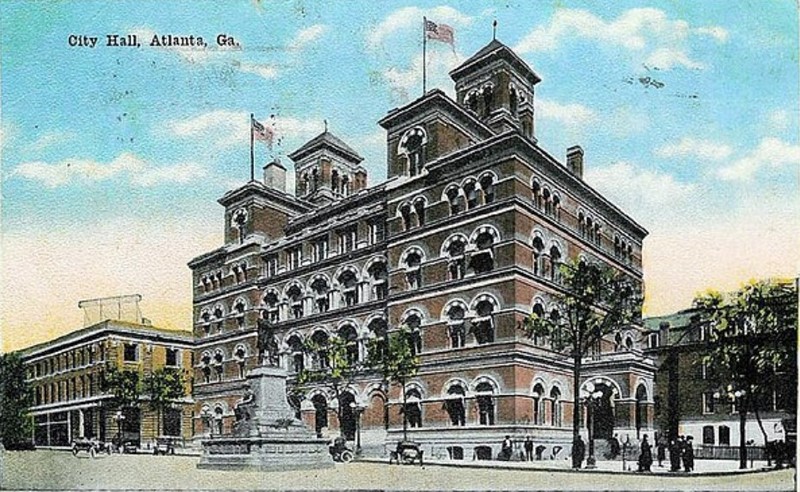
{"type": "Point", "coordinates": [66, 375]}
{"type": "Point", "coordinates": [461, 242]}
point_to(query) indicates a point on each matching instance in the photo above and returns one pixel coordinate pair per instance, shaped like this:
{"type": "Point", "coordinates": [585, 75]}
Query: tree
{"type": "Point", "coordinates": [124, 387]}
{"type": "Point", "coordinates": [596, 300]}
{"type": "Point", "coordinates": [752, 338]}
{"type": "Point", "coordinates": [337, 365]}
{"type": "Point", "coordinates": [163, 387]}
{"type": "Point", "coordinates": [16, 397]}
{"type": "Point", "coordinates": [392, 355]}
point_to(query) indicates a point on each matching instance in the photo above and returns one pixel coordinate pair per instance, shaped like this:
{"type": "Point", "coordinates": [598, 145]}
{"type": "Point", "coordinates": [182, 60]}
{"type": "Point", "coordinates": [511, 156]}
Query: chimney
{"type": "Point", "coordinates": [275, 176]}
{"type": "Point", "coordinates": [575, 160]}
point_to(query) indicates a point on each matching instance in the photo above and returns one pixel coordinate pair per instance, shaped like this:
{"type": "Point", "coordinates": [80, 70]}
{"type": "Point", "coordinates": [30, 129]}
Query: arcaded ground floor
{"type": "Point", "coordinates": [59, 470]}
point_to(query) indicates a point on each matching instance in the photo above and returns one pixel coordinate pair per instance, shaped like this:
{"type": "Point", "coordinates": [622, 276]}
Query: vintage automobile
{"type": "Point", "coordinates": [339, 450]}
{"type": "Point", "coordinates": [91, 446]}
{"type": "Point", "coordinates": [406, 453]}
{"type": "Point", "coordinates": [164, 445]}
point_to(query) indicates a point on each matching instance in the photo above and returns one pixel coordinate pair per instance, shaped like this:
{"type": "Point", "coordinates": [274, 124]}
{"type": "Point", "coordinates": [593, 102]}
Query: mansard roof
{"type": "Point", "coordinates": [495, 49]}
{"type": "Point", "coordinates": [328, 140]}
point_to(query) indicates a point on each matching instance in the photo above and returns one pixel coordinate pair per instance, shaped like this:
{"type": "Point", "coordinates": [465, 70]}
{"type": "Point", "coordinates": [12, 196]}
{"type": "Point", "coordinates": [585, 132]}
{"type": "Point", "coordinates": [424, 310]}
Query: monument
{"type": "Point", "coordinates": [266, 436]}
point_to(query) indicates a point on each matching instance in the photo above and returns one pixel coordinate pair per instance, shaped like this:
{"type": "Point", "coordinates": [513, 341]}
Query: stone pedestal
{"type": "Point", "coordinates": [268, 437]}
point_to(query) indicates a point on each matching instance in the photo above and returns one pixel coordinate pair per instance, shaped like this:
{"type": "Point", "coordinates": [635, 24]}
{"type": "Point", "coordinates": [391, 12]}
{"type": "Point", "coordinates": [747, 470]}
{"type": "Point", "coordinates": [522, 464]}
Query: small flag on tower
{"type": "Point", "coordinates": [439, 32]}
{"type": "Point", "coordinates": [263, 133]}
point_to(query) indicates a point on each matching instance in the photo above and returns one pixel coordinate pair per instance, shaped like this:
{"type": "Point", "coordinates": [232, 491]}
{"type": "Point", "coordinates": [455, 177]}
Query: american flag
{"type": "Point", "coordinates": [439, 32]}
{"type": "Point", "coordinates": [263, 133]}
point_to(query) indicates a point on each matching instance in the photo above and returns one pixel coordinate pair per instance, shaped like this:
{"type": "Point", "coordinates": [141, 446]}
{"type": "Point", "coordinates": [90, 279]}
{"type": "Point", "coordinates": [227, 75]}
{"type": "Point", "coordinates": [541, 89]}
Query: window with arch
{"type": "Point", "coordinates": [547, 198]}
{"type": "Point", "coordinates": [419, 210]}
{"type": "Point", "coordinates": [379, 276]}
{"type": "Point", "coordinates": [487, 185]}
{"type": "Point", "coordinates": [349, 336]}
{"type": "Point", "coordinates": [538, 255]}
{"type": "Point", "coordinates": [219, 358]}
{"type": "Point", "coordinates": [485, 401]}
{"type": "Point", "coordinates": [597, 236]}
{"type": "Point", "coordinates": [377, 332]}
{"type": "Point", "coordinates": [405, 213]}
{"type": "Point", "coordinates": [487, 93]}
{"type": "Point", "coordinates": [555, 263]}
{"type": "Point", "coordinates": [414, 323]}
{"type": "Point", "coordinates": [456, 318]}
{"type": "Point", "coordinates": [321, 291]}
{"type": "Point", "coordinates": [556, 209]}
{"type": "Point", "coordinates": [412, 146]}
{"type": "Point", "coordinates": [205, 317]}
{"type": "Point", "coordinates": [536, 193]}
{"type": "Point", "coordinates": [454, 405]}
{"type": "Point", "coordinates": [538, 311]}
{"type": "Point", "coordinates": [219, 317]}
{"type": "Point", "coordinates": [454, 199]}
{"type": "Point", "coordinates": [320, 355]}
{"type": "Point", "coordinates": [471, 192]}
{"type": "Point", "coordinates": [617, 247]}
{"type": "Point", "coordinates": [513, 99]}
{"type": "Point", "coordinates": [349, 284]}
{"type": "Point", "coordinates": [239, 308]}
{"type": "Point", "coordinates": [456, 264]}
{"type": "Point", "coordinates": [240, 354]}
{"type": "Point", "coordinates": [294, 296]}
{"type": "Point", "coordinates": [413, 407]}
{"type": "Point", "coordinates": [482, 260]}
{"type": "Point", "coordinates": [297, 353]}
{"type": "Point", "coordinates": [483, 323]}
{"type": "Point", "coordinates": [555, 407]}
{"type": "Point", "coordinates": [538, 404]}
{"type": "Point", "coordinates": [273, 306]}
{"type": "Point", "coordinates": [335, 180]}
{"type": "Point", "coordinates": [413, 262]}
{"type": "Point", "coordinates": [557, 334]}
{"type": "Point", "coordinates": [471, 101]}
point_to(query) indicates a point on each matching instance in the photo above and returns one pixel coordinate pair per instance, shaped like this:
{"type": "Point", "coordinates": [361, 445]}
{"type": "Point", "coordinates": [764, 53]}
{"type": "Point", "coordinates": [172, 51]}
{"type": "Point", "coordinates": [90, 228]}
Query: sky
{"type": "Point", "coordinates": [112, 158]}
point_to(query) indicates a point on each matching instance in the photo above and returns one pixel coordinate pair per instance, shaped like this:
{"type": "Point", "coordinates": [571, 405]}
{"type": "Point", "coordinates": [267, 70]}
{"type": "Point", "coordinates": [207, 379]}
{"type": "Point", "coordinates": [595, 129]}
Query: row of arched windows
{"type": "Point", "coordinates": [471, 193]}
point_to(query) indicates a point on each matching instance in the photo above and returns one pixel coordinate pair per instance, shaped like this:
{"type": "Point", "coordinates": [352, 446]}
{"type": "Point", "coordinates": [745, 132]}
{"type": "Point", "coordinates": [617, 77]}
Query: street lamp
{"type": "Point", "coordinates": [358, 410]}
{"type": "Point", "coordinates": [119, 417]}
{"type": "Point", "coordinates": [736, 396]}
{"type": "Point", "coordinates": [591, 399]}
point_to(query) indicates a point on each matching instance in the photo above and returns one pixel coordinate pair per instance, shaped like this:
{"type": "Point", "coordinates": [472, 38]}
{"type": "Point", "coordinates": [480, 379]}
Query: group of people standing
{"type": "Point", "coordinates": [681, 451]}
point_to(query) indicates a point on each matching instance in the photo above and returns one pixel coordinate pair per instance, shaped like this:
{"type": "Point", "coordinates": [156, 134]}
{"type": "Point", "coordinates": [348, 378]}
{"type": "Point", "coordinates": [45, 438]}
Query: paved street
{"type": "Point", "coordinates": [61, 471]}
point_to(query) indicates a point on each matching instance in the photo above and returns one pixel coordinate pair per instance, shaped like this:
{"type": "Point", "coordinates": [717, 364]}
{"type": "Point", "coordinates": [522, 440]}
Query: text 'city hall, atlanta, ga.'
{"type": "Point", "coordinates": [460, 243]}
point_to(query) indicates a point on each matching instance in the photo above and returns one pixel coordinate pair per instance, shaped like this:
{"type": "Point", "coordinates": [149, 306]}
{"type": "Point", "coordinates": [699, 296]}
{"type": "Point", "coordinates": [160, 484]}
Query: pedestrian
{"type": "Point", "coordinates": [675, 455]}
{"type": "Point", "coordinates": [645, 456]}
{"type": "Point", "coordinates": [578, 452]}
{"type": "Point", "coordinates": [506, 449]}
{"type": "Point", "coordinates": [528, 448]}
{"type": "Point", "coordinates": [614, 447]}
{"type": "Point", "coordinates": [688, 454]}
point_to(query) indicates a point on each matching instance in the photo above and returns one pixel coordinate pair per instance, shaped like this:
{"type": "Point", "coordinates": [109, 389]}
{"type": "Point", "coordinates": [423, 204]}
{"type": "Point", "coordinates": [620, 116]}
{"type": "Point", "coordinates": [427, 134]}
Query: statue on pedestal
{"type": "Point", "coordinates": [267, 342]}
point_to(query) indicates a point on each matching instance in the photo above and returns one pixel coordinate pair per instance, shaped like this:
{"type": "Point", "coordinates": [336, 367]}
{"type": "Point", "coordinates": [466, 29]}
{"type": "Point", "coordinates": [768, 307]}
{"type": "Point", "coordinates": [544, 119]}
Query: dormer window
{"type": "Point", "coordinates": [412, 146]}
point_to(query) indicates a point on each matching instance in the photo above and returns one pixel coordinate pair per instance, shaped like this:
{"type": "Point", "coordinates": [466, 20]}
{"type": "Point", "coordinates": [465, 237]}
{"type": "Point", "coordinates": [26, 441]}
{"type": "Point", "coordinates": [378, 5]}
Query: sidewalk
{"type": "Point", "coordinates": [702, 467]}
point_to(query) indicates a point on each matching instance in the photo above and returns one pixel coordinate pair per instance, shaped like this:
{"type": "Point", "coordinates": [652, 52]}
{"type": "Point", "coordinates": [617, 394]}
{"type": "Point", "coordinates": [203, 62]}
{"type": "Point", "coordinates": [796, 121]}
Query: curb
{"type": "Point", "coordinates": [583, 470]}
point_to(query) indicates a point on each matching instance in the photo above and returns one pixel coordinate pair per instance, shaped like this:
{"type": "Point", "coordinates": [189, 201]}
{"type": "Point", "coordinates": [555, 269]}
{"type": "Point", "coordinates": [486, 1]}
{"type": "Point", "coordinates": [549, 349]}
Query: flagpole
{"type": "Point", "coordinates": [252, 159]}
{"type": "Point", "coordinates": [424, 49]}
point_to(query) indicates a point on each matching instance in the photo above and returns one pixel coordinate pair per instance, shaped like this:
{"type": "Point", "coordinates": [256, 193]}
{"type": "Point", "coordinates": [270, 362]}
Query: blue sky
{"type": "Point", "coordinates": [113, 158]}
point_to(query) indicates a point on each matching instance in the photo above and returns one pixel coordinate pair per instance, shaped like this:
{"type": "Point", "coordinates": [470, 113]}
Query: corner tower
{"type": "Point", "coordinates": [498, 87]}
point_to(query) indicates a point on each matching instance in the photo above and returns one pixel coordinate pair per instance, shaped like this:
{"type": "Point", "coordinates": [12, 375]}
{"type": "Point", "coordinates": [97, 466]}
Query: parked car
{"type": "Point", "coordinates": [91, 446]}
{"type": "Point", "coordinates": [164, 445]}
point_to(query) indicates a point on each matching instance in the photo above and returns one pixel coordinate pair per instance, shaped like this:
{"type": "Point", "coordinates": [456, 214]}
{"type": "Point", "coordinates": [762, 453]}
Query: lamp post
{"type": "Point", "coordinates": [591, 398]}
{"type": "Point", "coordinates": [119, 417]}
{"type": "Point", "coordinates": [737, 397]}
{"type": "Point", "coordinates": [358, 409]}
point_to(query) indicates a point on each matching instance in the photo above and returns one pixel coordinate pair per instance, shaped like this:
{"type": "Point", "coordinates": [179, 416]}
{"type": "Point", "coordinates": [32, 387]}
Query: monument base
{"type": "Point", "coordinates": [268, 437]}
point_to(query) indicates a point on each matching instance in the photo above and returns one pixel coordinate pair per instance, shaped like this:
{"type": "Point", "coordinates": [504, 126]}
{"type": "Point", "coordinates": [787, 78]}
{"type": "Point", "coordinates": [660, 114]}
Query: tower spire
{"type": "Point", "coordinates": [494, 30]}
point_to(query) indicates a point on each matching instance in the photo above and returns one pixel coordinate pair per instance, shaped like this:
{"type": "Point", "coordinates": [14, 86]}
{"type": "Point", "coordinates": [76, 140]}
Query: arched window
{"type": "Point", "coordinates": [471, 192]}
{"type": "Point", "coordinates": [555, 410]}
{"type": "Point", "coordinates": [556, 206]}
{"type": "Point", "coordinates": [412, 146]}
{"type": "Point", "coordinates": [547, 198]}
{"type": "Point", "coordinates": [413, 322]}
{"type": "Point", "coordinates": [419, 209]}
{"type": "Point", "coordinates": [377, 332]}
{"type": "Point", "coordinates": [320, 355]}
{"type": "Point", "coordinates": [349, 284]}
{"type": "Point", "coordinates": [335, 180]}
{"type": "Point", "coordinates": [321, 291]}
{"type": "Point", "coordinates": [538, 259]}
{"type": "Point", "coordinates": [487, 185]}
{"type": "Point", "coordinates": [239, 308]}
{"type": "Point", "coordinates": [472, 101]}
{"type": "Point", "coordinates": [555, 263]}
{"type": "Point", "coordinates": [513, 100]}
{"type": "Point", "coordinates": [348, 335]}
{"type": "Point", "coordinates": [616, 247]}
{"type": "Point", "coordinates": [219, 317]}
{"type": "Point", "coordinates": [295, 298]}
{"type": "Point", "coordinates": [454, 199]}
{"type": "Point", "coordinates": [405, 213]}
{"type": "Point", "coordinates": [239, 354]}
{"type": "Point", "coordinates": [413, 261]}
{"type": "Point", "coordinates": [297, 353]}
{"type": "Point", "coordinates": [538, 311]}
{"type": "Point", "coordinates": [482, 260]}
{"type": "Point", "coordinates": [205, 361]}
{"type": "Point", "coordinates": [538, 404]}
{"type": "Point", "coordinates": [536, 192]}
{"type": "Point", "coordinates": [629, 343]}
{"type": "Point", "coordinates": [413, 408]}
{"type": "Point", "coordinates": [273, 308]}
{"type": "Point", "coordinates": [379, 275]}
{"type": "Point", "coordinates": [582, 224]}
{"type": "Point", "coordinates": [485, 402]}
{"type": "Point", "coordinates": [483, 324]}
{"type": "Point", "coordinates": [456, 315]}
{"type": "Point", "coordinates": [488, 99]}
{"type": "Point", "coordinates": [218, 364]}
{"type": "Point", "coordinates": [454, 405]}
{"type": "Point", "coordinates": [456, 264]}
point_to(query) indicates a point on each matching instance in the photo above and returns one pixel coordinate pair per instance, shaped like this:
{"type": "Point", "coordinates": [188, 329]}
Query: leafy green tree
{"type": "Point", "coordinates": [125, 388]}
{"type": "Point", "coordinates": [163, 387]}
{"type": "Point", "coordinates": [752, 343]}
{"type": "Point", "coordinates": [16, 396]}
{"type": "Point", "coordinates": [596, 300]}
{"type": "Point", "coordinates": [392, 355]}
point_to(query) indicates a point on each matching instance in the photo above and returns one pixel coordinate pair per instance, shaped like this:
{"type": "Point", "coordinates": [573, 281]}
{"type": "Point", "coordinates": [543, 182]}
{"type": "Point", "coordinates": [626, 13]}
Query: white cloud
{"type": "Point", "coordinates": [771, 153]}
{"type": "Point", "coordinates": [570, 114]}
{"type": "Point", "coordinates": [265, 71]}
{"type": "Point", "coordinates": [406, 83]}
{"type": "Point", "coordinates": [632, 187]}
{"type": "Point", "coordinates": [49, 139]}
{"type": "Point", "coordinates": [779, 120]}
{"type": "Point", "coordinates": [140, 172]}
{"type": "Point", "coordinates": [663, 42]}
{"type": "Point", "coordinates": [408, 18]}
{"type": "Point", "coordinates": [699, 148]}
{"type": "Point", "coordinates": [8, 134]}
{"type": "Point", "coordinates": [306, 36]}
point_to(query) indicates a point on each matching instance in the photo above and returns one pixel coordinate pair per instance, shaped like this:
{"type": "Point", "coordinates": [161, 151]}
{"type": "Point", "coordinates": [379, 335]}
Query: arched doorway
{"type": "Point", "coordinates": [320, 413]}
{"type": "Point", "coordinates": [347, 416]}
{"type": "Point", "coordinates": [641, 409]}
{"type": "Point", "coordinates": [603, 417]}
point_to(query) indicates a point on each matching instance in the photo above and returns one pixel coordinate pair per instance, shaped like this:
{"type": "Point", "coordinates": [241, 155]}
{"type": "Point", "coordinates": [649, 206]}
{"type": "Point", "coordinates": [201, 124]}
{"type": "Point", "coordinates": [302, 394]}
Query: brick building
{"type": "Point", "coordinates": [460, 243]}
{"type": "Point", "coordinates": [66, 378]}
